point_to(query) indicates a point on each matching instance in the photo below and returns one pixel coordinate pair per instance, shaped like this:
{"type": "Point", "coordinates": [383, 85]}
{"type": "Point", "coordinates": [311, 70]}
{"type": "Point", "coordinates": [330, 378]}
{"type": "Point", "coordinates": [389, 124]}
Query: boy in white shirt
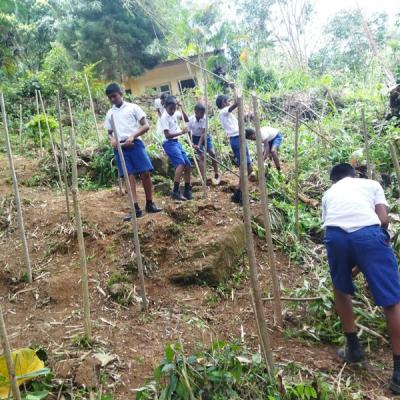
{"type": "Point", "coordinates": [130, 122]}
{"type": "Point", "coordinates": [175, 152]}
{"type": "Point", "coordinates": [272, 139]}
{"type": "Point", "coordinates": [231, 126]}
{"type": "Point", "coordinates": [354, 213]}
{"type": "Point", "coordinates": [197, 127]}
{"type": "Point", "coordinates": [159, 106]}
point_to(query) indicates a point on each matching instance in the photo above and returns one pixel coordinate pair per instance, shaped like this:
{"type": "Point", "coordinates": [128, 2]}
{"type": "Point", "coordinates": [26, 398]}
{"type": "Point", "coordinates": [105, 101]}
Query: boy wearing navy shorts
{"type": "Point", "coordinates": [197, 127]}
{"type": "Point", "coordinates": [130, 122]}
{"type": "Point", "coordinates": [272, 140]}
{"type": "Point", "coordinates": [231, 126]}
{"type": "Point", "coordinates": [175, 152]}
{"type": "Point", "coordinates": [355, 218]}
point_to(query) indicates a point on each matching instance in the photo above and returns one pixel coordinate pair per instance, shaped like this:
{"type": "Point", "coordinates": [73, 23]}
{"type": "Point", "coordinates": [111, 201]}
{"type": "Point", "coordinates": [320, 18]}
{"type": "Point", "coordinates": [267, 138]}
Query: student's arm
{"type": "Point", "coordinates": [202, 137]}
{"type": "Point", "coordinates": [140, 116]}
{"type": "Point", "coordinates": [113, 142]}
{"type": "Point", "coordinates": [108, 126]}
{"type": "Point", "coordinates": [158, 112]}
{"type": "Point", "coordinates": [381, 211]}
{"type": "Point", "coordinates": [169, 135]}
{"type": "Point", "coordinates": [233, 106]}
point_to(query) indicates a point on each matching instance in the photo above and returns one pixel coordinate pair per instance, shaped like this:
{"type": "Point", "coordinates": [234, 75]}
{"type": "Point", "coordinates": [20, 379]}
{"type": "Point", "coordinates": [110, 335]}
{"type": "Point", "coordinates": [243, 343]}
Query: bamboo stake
{"type": "Point", "coordinates": [189, 140]}
{"type": "Point", "coordinates": [79, 231]}
{"type": "Point", "coordinates": [395, 160]}
{"type": "Point", "coordinates": [16, 192]}
{"type": "Point", "coordinates": [20, 127]}
{"type": "Point", "coordinates": [267, 217]}
{"type": "Point", "coordinates": [205, 135]}
{"type": "Point", "coordinates": [139, 259]}
{"type": "Point", "coordinates": [222, 164]}
{"type": "Point", "coordinates": [53, 148]}
{"type": "Point", "coordinates": [7, 355]}
{"type": "Point", "coordinates": [264, 337]}
{"type": "Point", "coordinates": [39, 124]}
{"type": "Point", "coordinates": [366, 144]}
{"type": "Point", "coordinates": [296, 176]}
{"type": "Point", "coordinates": [92, 107]}
{"type": "Point", "coordinates": [63, 157]}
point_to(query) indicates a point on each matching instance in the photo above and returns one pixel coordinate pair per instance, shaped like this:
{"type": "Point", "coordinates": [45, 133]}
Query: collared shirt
{"type": "Point", "coordinates": [126, 118]}
{"type": "Point", "coordinates": [268, 133]}
{"type": "Point", "coordinates": [170, 122]}
{"type": "Point", "coordinates": [229, 122]}
{"type": "Point", "coordinates": [196, 126]}
{"type": "Point", "coordinates": [350, 204]}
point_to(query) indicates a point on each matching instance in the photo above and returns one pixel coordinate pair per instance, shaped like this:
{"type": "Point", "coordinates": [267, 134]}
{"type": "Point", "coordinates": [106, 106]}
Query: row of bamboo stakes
{"type": "Point", "coordinates": [256, 298]}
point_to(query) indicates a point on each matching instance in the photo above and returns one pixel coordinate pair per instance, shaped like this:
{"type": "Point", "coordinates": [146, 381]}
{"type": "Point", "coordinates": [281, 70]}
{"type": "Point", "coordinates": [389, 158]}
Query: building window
{"type": "Point", "coordinates": [165, 88]}
{"type": "Point", "coordinates": [187, 84]}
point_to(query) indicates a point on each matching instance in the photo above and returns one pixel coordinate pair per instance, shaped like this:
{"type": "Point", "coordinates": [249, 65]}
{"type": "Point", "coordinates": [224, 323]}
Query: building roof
{"type": "Point", "coordinates": [190, 58]}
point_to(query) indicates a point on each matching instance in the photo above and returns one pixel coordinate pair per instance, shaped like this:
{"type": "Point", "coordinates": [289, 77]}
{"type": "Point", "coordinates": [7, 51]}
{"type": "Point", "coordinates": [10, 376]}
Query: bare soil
{"type": "Point", "coordinates": [47, 313]}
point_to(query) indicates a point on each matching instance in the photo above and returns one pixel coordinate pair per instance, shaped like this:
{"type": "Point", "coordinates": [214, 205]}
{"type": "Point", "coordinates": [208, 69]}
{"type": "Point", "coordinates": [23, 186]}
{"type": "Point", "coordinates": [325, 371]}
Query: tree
{"type": "Point", "coordinates": [104, 30]}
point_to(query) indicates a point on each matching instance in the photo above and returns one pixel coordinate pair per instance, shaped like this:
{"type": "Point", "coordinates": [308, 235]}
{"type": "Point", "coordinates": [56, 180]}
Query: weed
{"type": "Point", "coordinates": [82, 342]}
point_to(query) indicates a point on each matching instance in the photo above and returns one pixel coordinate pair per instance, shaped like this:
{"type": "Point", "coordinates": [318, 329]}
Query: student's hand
{"type": "Point", "coordinates": [196, 146]}
{"type": "Point", "coordinates": [185, 130]}
{"type": "Point", "coordinates": [113, 142]}
{"type": "Point", "coordinates": [354, 272]}
{"type": "Point", "coordinates": [129, 141]}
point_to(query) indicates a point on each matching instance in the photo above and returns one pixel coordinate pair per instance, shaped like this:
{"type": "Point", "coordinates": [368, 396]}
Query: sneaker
{"type": "Point", "coordinates": [187, 192]}
{"type": "Point", "coordinates": [152, 208]}
{"type": "Point", "coordinates": [215, 181]}
{"type": "Point", "coordinates": [394, 384]}
{"type": "Point", "coordinates": [139, 214]}
{"type": "Point", "coordinates": [178, 196]}
{"type": "Point", "coordinates": [351, 357]}
{"type": "Point", "coordinates": [237, 197]}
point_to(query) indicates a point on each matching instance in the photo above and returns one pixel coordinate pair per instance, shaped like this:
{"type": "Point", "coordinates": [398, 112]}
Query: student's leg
{"type": "Point", "coordinates": [214, 162]}
{"type": "Point", "coordinates": [187, 172]}
{"type": "Point", "coordinates": [201, 164]}
{"type": "Point", "coordinates": [392, 314]}
{"type": "Point", "coordinates": [178, 173]}
{"type": "Point", "coordinates": [344, 308]}
{"type": "Point", "coordinates": [147, 185]}
{"type": "Point", "coordinates": [274, 154]}
{"type": "Point", "coordinates": [132, 181]}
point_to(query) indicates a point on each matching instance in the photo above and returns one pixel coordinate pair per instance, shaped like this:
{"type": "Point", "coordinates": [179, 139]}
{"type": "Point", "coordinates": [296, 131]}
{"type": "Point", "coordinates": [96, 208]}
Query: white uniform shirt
{"type": "Point", "coordinates": [268, 133]}
{"type": "Point", "coordinates": [170, 122]}
{"type": "Point", "coordinates": [158, 106]}
{"type": "Point", "coordinates": [229, 122]}
{"type": "Point", "coordinates": [350, 204]}
{"type": "Point", "coordinates": [126, 119]}
{"type": "Point", "coordinates": [196, 126]}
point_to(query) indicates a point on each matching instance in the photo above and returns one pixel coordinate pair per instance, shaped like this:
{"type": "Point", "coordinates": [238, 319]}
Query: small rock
{"type": "Point", "coordinates": [87, 374]}
{"type": "Point", "coordinates": [119, 289]}
{"type": "Point", "coordinates": [65, 369]}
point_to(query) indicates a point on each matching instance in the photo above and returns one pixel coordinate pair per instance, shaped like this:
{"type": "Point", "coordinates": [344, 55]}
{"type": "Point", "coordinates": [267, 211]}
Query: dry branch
{"type": "Point", "coordinates": [92, 107]}
{"type": "Point", "coordinates": [39, 124]}
{"type": "Point", "coordinates": [296, 175]}
{"type": "Point", "coordinates": [395, 160]}
{"type": "Point", "coordinates": [366, 144]}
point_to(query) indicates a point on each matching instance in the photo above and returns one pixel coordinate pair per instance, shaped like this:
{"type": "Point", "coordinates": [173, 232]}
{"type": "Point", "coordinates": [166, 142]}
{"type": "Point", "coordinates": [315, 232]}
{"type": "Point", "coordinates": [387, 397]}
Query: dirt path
{"type": "Point", "coordinates": [47, 313]}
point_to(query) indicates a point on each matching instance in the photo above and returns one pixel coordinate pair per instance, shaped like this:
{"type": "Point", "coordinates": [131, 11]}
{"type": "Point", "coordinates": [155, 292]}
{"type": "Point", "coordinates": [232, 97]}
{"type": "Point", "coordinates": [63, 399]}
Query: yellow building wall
{"type": "Point", "coordinates": [158, 76]}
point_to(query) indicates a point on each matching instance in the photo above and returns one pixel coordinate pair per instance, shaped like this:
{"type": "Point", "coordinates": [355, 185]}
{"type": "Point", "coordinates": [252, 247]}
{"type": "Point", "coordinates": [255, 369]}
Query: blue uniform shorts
{"type": "Point", "coordinates": [235, 146]}
{"type": "Point", "coordinates": [276, 141]}
{"type": "Point", "coordinates": [369, 249]}
{"type": "Point", "coordinates": [136, 158]}
{"type": "Point", "coordinates": [196, 140]}
{"type": "Point", "coordinates": [176, 153]}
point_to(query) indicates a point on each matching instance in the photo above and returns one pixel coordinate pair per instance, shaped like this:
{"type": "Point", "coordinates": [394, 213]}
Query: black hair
{"type": "Point", "coordinates": [221, 100]}
{"type": "Point", "coordinates": [170, 100]}
{"type": "Point", "coordinates": [199, 107]}
{"type": "Point", "coordinates": [163, 96]}
{"type": "Point", "coordinates": [249, 132]}
{"type": "Point", "coordinates": [340, 171]}
{"type": "Point", "coordinates": [113, 88]}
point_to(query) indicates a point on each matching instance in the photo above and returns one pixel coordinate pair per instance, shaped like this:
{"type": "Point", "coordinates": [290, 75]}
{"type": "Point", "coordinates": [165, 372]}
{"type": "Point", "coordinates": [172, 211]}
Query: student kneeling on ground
{"type": "Point", "coordinates": [272, 139]}
{"type": "Point", "coordinates": [130, 122]}
{"type": "Point", "coordinates": [355, 218]}
{"type": "Point", "coordinates": [174, 149]}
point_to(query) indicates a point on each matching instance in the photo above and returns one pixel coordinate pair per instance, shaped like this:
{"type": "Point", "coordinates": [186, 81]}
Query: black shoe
{"type": "Point", "coordinates": [394, 384]}
{"type": "Point", "coordinates": [152, 208]}
{"type": "Point", "coordinates": [139, 214]}
{"type": "Point", "coordinates": [187, 192]}
{"type": "Point", "coordinates": [351, 357]}
{"type": "Point", "coordinates": [178, 196]}
{"type": "Point", "coordinates": [237, 197]}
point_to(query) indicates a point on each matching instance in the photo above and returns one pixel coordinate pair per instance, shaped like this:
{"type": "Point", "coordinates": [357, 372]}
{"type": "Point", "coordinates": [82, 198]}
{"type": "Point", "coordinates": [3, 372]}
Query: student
{"type": "Point", "coordinates": [130, 122]}
{"type": "Point", "coordinates": [231, 126]}
{"type": "Point", "coordinates": [175, 152]}
{"type": "Point", "coordinates": [159, 106]}
{"type": "Point", "coordinates": [355, 218]}
{"type": "Point", "coordinates": [197, 127]}
{"type": "Point", "coordinates": [272, 139]}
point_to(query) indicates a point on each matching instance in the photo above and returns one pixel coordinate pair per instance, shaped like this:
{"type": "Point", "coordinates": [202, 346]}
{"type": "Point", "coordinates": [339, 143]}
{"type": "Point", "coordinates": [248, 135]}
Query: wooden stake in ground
{"type": "Point", "coordinates": [205, 135]}
{"type": "Point", "coordinates": [21, 124]}
{"type": "Point", "coordinates": [53, 148]}
{"type": "Point", "coordinates": [366, 144]}
{"type": "Point", "coordinates": [9, 361]}
{"type": "Point", "coordinates": [296, 176]}
{"type": "Point", "coordinates": [266, 216]}
{"type": "Point", "coordinates": [92, 107]}
{"type": "Point", "coordinates": [16, 192]}
{"type": "Point", "coordinates": [138, 252]}
{"type": "Point", "coordinates": [395, 160]}
{"type": "Point", "coordinates": [255, 286]}
{"type": "Point", "coordinates": [63, 156]}
{"type": "Point", "coordinates": [79, 231]}
{"type": "Point", "coordinates": [39, 124]}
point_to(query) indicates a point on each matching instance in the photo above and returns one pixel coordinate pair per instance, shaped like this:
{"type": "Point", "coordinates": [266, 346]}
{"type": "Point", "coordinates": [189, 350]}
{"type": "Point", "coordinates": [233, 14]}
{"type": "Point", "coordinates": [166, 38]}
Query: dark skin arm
{"type": "Point", "coordinates": [174, 135]}
{"type": "Point", "coordinates": [144, 127]}
{"type": "Point", "coordinates": [233, 107]}
{"type": "Point", "coordinates": [381, 211]}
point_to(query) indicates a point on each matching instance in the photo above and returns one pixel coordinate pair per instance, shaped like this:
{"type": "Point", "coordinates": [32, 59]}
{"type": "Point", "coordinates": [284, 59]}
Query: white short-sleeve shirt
{"type": "Point", "coordinates": [196, 126]}
{"type": "Point", "coordinates": [158, 105]}
{"type": "Point", "coordinates": [229, 122]}
{"type": "Point", "coordinates": [350, 204]}
{"type": "Point", "coordinates": [268, 133]}
{"type": "Point", "coordinates": [170, 122]}
{"type": "Point", "coordinates": [126, 118]}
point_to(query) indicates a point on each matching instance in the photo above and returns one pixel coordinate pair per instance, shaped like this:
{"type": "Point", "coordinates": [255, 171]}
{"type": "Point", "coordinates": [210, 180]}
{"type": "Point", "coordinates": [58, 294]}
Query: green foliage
{"type": "Point", "coordinates": [33, 128]}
